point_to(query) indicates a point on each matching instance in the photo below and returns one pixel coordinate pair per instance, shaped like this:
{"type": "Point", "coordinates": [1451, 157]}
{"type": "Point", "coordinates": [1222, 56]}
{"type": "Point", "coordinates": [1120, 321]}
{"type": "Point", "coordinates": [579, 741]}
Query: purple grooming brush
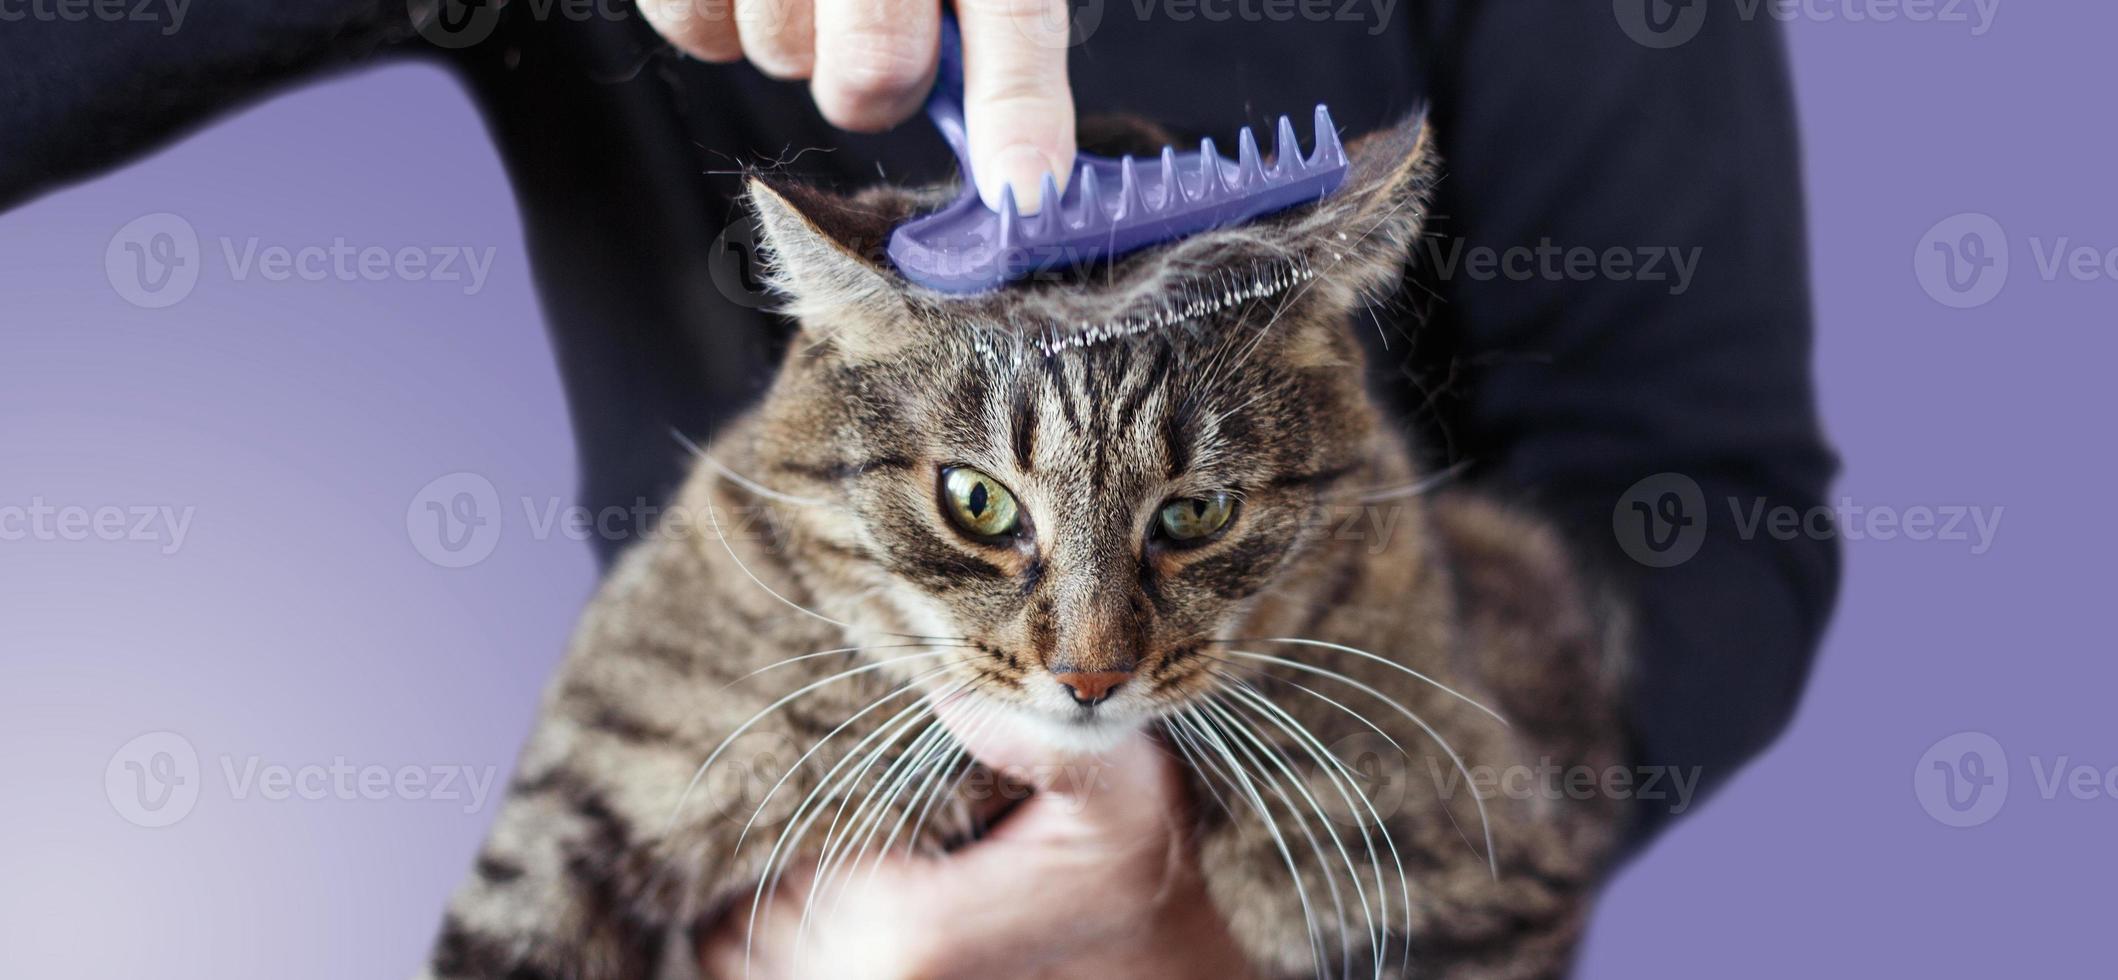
{"type": "Point", "coordinates": [1111, 207]}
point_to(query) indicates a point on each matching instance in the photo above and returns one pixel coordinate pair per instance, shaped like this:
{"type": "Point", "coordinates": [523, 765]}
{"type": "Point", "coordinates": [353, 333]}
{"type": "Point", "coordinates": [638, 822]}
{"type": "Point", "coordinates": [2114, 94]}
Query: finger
{"type": "Point", "coordinates": [757, 946]}
{"type": "Point", "coordinates": [779, 36]}
{"type": "Point", "coordinates": [704, 29]}
{"type": "Point", "coordinates": [1017, 106]}
{"type": "Point", "coordinates": [874, 60]}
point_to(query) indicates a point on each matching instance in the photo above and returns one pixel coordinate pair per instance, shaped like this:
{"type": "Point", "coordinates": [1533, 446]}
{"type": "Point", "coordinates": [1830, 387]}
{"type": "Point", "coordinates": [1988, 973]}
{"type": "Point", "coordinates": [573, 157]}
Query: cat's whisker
{"type": "Point", "coordinates": [804, 816]}
{"type": "Point", "coordinates": [838, 870]}
{"type": "Point", "coordinates": [1344, 780]}
{"type": "Point", "coordinates": [842, 650]}
{"type": "Point", "coordinates": [1385, 661]}
{"type": "Point", "coordinates": [1210, 736]}
{"type": "Point", "coordinates": [917, 780]}
{"type": "Point", "coordinates": [1492, 856]}
{"type": "Point", "coordinates": [1197, 762]}
{"type": "Point", "coordinates": [1260, 750]}
{"type": "Point", "coordinates": [796, 828]}
{"type": "Point", "coordinates": [718, 534]}
{"type": "Point", "coordinates": [987, 714]}
{"type": "Point", "coordinates": [868, 813]}
{"type": "Point", "coordinates": [1357, 715]}
{"type": "Point", "coordinates": [926, 798]}
{"type": "Point", "coordinates": [1351, 712]}
{"type": "Point", "coordinates": [1416, 488]}
{"type": "Point", "coordinates": [904, 771]}
{"type": "Point", "coordinates": [745, 482]}
{"type": "Point", "coordinates": [980, 719]}
{"type": "Point", "coordinates": [844, 828]}
{"type": "Point", "coordinates": [818, 746]}
{"type": "Point", "coordinates": [805, 689]}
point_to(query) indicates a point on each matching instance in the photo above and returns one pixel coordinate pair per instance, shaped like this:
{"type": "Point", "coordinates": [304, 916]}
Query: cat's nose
{"type": "Point", "coordinates": [1092, 689]}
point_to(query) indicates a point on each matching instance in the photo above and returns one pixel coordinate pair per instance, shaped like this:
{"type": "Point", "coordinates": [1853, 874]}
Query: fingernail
{"type": "Point", "coordinates": [1022, 167]}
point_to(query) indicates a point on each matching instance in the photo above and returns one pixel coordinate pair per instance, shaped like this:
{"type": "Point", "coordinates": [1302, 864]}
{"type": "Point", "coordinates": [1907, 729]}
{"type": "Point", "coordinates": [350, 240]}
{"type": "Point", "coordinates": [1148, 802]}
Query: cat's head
{"type": "Point", "coordinates": [1084, 514]}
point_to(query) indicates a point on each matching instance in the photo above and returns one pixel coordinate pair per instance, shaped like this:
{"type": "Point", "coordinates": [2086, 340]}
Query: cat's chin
{"type": "Point", "coordinates": [1080, 734]}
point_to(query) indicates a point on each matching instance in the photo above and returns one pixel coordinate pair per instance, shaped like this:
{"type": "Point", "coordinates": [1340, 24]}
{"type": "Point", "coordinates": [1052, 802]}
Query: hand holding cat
{"type": "Point", "coordinates": [870, 63]}
{"type": "Point", "coordinates": [1090, 877]}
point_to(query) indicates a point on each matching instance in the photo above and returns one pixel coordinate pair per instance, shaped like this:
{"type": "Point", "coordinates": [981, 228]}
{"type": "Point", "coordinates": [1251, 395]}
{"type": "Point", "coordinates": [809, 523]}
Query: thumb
{"type": "Point", "coordinates": [1017, 107]}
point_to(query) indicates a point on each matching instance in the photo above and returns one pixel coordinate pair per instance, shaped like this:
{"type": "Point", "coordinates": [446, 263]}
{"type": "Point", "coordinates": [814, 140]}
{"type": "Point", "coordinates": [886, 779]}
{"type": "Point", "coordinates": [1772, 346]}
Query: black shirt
{"type": "Point", "coordinates": [1612, 288]}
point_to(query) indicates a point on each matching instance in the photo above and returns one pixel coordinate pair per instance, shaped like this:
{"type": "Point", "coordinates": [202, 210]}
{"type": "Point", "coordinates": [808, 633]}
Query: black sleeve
{"type": "Point", "coordinates": [79, 95]}
{"type": "Point", "coordinates": [1563, 138]}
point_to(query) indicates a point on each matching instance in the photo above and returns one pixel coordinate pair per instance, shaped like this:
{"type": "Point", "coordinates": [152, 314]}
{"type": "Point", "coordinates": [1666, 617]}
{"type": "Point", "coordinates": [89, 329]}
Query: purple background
{"type": "Point", "coordinates": [298, 623]}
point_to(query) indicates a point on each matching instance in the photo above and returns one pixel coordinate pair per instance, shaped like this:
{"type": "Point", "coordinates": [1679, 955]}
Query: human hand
{"type": "Point", "coordinates": [870, 63]}
{"type": "Point", "coordinates": [1092, 876]}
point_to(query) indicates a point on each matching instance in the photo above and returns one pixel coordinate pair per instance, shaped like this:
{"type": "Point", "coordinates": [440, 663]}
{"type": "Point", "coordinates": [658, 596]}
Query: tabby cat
{"type": "Point", "coordinates": [1103, 501]}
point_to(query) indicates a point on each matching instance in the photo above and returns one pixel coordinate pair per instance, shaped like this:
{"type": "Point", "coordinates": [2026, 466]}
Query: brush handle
{"type": "Point", "coordinates": [945, 103]}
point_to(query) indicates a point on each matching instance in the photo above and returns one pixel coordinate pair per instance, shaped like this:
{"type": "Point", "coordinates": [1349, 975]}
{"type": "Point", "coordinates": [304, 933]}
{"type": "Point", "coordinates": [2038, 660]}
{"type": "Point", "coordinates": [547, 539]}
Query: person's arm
{"type": "Point", "coordinates": [88, 93]}
{"type": "Point", "coordinates": [83, 95]}
{"type": "Point", "coordinates": [1558, 129]}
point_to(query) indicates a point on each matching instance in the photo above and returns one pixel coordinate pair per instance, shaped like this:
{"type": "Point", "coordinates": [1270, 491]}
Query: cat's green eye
{"type": "Point", "coordinates": [1193, 519]}
{"type": "Point", "coordinates": [978, 503]}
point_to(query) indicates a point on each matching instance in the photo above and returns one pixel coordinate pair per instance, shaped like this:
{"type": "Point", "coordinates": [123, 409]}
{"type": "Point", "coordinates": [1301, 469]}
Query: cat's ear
{"type": "Point", "coordinates": [1359, 239]}
{"type": "Point", "coordinates": [824, 254]}
{"type": "Point", "coordinates": [1352, 246]}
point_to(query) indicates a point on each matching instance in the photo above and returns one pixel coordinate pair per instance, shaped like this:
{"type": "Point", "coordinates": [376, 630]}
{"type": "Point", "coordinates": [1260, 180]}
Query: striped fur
{"type": "Point", "coordinates": [812, 525]}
